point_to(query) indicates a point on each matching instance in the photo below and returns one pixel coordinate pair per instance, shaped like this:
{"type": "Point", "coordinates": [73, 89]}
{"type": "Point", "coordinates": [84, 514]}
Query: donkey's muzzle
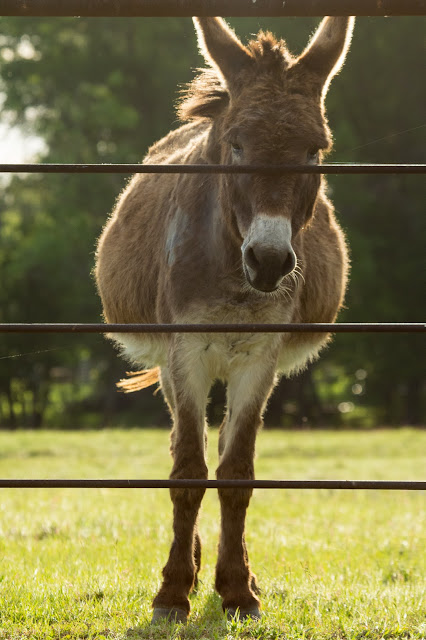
{"type": "Point", "coordinates": [265, 267]}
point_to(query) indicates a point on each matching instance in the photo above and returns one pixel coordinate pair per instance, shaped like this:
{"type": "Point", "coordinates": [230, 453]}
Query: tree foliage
{"type": "Point", "coordinates": [102, 90]}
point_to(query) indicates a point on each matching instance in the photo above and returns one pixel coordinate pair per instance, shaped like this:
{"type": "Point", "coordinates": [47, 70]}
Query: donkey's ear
{"type": "Point", "coordinates": [221, 48]}
{"type": "Point", "coordinates": [326, 52]}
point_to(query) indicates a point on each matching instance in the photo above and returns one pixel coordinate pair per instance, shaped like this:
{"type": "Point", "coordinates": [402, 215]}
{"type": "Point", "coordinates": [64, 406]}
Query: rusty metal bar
{"type": "Point", "coordinates": [231, 8]}
{"type": "Point", "coordinates": [212, 484]}
{"type": "Point", "coordinates": [317, 327]}
{"type": "Point", "coordinates": [328, 168]}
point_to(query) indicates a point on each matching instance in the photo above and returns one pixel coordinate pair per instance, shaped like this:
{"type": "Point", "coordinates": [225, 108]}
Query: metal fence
{"type": "Point", "coordinates": [231, 8]}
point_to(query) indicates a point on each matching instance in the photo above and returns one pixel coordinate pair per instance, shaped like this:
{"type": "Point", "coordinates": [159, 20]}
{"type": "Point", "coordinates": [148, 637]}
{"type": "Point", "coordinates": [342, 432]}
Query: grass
{"type": "Point", "coordinates": [332, 565]}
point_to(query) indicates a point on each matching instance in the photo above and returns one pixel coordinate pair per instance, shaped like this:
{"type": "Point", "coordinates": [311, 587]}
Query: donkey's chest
{"type": "Point", "coordinates": [220, 354]}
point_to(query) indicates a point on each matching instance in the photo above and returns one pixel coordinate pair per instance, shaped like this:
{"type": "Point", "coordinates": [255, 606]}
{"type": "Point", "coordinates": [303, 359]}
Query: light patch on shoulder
{"type": "Point", "coordinates": [176, 233]}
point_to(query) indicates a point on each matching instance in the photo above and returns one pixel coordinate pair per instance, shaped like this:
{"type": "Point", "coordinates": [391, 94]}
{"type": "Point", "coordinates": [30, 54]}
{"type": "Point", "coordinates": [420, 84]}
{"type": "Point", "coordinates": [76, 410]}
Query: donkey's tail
{"type": "Point", "coordinates": [139, 380]}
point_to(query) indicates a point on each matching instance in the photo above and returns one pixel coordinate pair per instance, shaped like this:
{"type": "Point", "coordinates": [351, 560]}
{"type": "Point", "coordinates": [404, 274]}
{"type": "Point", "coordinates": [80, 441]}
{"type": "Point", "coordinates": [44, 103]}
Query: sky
{"type": "Point", "coordinates": [15, 147]}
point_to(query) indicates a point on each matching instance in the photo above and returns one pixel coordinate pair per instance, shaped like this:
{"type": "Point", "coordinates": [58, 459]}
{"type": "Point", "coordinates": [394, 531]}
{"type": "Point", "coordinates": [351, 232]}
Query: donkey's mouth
{"type": "Point", "coordinates": [262, 284]}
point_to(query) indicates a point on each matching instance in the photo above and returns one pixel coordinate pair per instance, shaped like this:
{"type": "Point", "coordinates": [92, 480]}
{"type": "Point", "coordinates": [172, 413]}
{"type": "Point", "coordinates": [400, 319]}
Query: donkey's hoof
{"type": "Point", "coordinates": [171, 615]}
{"type": "Point", "coordinates": [243, 614]}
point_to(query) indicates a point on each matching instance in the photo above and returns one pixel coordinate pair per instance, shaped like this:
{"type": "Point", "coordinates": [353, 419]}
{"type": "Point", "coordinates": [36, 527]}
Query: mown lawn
{"type": "Point", "coordinates": [80, 564]}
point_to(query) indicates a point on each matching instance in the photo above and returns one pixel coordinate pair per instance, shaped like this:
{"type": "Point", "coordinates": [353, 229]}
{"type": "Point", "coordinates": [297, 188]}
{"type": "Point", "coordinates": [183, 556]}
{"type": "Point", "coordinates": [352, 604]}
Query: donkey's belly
{"type": "Point", "coordinates": [223, 354]}
{"type": "Point", "coordinates": [215, 354]}
{"type": "Point", "coordinates": [297, 352]}
{"type": "Point", "coordinates": [220, 356]}
{"type": "Point", "coordinates": [141, 349]}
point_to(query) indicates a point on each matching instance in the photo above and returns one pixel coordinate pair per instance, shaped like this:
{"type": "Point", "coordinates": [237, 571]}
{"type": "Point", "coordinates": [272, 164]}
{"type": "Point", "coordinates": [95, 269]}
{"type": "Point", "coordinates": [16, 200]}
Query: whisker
{"type": "Point", "coordinates": [299, 273]}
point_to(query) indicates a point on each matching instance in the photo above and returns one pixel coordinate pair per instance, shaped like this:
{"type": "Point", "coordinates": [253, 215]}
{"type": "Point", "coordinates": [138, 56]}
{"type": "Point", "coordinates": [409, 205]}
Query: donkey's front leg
{"type": "Point", "coordinates": [188, 451]}
{"type": "Point", "coordinates": [247, 395]}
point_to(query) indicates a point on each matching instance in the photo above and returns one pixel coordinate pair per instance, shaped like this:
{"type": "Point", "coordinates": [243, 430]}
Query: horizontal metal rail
{"type": "Point", "coordinates": [312, 327]}
{"type": "Point", "coordinates": [333, 168]}
{"type": "Point", "coordinates": [212, 484]}
{"type": "Point", "coordinates": [176, 8]}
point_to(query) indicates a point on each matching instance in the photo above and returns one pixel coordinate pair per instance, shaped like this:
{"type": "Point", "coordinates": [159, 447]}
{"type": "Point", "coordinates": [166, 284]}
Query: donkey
{"type": "Point", "coordinates": [228, 248]}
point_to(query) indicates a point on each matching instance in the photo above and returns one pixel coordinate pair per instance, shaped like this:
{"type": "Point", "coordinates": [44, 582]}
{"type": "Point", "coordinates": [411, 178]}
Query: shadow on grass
{"type": "Point", "coordinates": [199, 625]}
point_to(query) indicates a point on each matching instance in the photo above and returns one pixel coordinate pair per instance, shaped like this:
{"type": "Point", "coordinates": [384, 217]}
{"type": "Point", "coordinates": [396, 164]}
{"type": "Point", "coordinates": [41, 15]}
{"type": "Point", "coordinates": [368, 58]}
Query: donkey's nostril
{"type": "Point", "coordinates": [289, 263]}
{"type": "Point", "coordinates": [251, 260]}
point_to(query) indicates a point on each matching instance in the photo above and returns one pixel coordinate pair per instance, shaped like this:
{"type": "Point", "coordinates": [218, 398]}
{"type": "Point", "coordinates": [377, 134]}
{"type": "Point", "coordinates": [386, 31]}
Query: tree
{"type": "Point", "coordinates": [102, 90]}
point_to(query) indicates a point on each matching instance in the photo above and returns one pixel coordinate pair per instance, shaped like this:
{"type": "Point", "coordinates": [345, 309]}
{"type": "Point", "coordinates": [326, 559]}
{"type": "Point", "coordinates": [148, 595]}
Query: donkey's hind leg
{"type": "Point", "coordinates": [188, 450]}
{"type": "Point", "coordinates": [247, 395]}
{"type": "Point", "coordinates": [197, 555]}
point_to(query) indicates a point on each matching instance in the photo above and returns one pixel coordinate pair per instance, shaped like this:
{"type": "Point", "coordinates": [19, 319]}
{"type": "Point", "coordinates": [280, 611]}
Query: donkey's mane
{"type": "Point", "coordinates": [204, 97]}
{"type": "Point", "coordinates": [269, 52]}
{"type": "Point", "coordinates": [207, 95]}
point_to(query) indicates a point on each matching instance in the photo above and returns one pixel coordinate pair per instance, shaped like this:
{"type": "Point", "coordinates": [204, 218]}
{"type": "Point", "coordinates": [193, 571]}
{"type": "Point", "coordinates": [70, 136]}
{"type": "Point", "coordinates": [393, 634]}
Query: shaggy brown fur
{"type": "Point", "coordinates": [229, 248]}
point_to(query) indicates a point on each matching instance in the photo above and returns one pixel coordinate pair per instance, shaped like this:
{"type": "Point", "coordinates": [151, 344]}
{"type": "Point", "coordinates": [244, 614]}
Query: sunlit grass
{"type": "Point", "coordinates": [83, 564]}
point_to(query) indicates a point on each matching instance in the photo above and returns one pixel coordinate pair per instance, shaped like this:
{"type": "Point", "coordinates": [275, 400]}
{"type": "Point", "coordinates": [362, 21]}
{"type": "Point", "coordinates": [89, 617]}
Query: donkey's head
{"type": "Point", "coordinates": [267, 107]}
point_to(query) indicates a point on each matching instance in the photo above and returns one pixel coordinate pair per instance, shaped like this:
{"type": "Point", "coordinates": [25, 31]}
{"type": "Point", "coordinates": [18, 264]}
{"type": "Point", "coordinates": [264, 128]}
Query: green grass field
{"type": "Point", "coordinates": [80, 564]}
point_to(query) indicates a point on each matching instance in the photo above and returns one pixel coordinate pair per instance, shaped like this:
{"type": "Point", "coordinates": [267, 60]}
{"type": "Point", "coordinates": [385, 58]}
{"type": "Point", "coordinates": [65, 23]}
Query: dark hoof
{"type": "Point", "coordinates": [243, 614]}
{"type": "Point", "coordinates": [171, 615]}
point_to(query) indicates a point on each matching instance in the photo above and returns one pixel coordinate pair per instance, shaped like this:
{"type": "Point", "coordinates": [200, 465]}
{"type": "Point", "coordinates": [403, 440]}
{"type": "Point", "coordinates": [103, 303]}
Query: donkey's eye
{"type": "Point", "coordinates": [237, 150]}
{"type": "Point", "coordinates": [313, 156]}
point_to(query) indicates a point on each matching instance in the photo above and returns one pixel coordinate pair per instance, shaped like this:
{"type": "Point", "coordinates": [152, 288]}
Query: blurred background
{"type": "Point", "coordinates": [102, 90]}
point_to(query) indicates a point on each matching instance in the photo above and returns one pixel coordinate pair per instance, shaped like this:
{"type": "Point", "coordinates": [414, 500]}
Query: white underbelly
{"type": "Point", "coordinates": [218, 355]}
{"type": "Point", "coordinates": [144, 351]}
{"type": "Point", "coordinates": [293, 358]}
